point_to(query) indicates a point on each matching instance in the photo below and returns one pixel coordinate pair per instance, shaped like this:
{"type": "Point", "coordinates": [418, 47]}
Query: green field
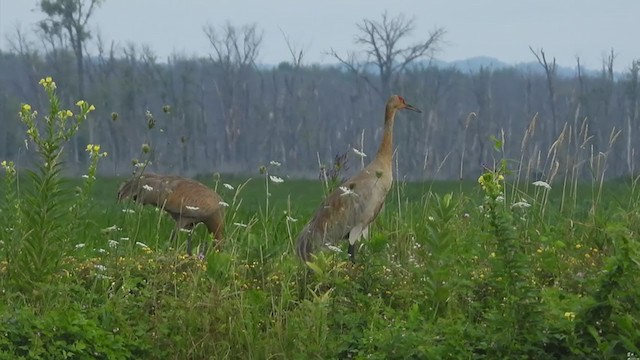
{"type": "Point", "coordinates": [497, 268]}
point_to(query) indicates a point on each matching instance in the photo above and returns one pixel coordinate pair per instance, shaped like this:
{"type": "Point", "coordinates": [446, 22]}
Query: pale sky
{"type": "Point", "coordinates": [503, 29]}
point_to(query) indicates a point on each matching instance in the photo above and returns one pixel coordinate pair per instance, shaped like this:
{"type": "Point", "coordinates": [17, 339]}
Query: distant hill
{"type": "Point", "coordinates": [474, 64]}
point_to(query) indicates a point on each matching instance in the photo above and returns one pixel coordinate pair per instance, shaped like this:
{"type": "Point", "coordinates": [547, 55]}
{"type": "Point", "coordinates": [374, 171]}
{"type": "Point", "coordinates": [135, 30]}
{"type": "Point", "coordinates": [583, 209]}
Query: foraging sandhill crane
{"type": "Point", "coordinates": [349, 209]}
{"type": "Point", "coordinates": [188, 201]}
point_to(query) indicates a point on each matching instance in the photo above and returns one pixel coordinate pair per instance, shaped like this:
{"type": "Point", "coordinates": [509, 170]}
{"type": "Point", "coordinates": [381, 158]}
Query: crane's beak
{"type": "Point", "coordinates": [412, 108]}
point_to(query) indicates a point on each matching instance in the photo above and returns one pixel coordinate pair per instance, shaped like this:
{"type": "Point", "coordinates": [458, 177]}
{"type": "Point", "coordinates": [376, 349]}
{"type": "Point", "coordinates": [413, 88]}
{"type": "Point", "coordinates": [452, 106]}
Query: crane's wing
{"type": "Point", "coordinates": [355, 203]}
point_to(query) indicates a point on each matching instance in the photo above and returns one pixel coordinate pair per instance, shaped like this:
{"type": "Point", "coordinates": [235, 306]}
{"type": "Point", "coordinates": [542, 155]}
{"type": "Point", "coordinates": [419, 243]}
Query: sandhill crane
{"type": "Point", "coordinates": [188, 201]}
{"type": "Point", "coordinates": [349, 209]}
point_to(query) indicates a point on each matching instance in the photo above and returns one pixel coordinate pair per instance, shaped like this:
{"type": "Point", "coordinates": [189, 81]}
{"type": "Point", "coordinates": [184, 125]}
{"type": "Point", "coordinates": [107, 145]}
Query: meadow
{"type": "Point", "coordinates": [505, 267]}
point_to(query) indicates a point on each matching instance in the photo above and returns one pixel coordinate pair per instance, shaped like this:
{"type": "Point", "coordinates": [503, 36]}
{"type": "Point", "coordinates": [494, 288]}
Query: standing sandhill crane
{"type": "Point", "coordinates": [189, 202]}
{"type": "Point", "coordinates": [349, 209]}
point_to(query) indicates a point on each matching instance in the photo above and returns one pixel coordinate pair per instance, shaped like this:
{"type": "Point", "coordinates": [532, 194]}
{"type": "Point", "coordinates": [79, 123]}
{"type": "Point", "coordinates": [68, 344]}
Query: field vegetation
{"type": "Point", "coordinates": [510, 266]}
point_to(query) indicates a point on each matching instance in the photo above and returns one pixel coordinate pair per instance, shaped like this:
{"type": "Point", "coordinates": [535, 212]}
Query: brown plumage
{"type": "Point", "coordinates": [189, 202]}
{"type": "Point", "coordinates": [349, 209]}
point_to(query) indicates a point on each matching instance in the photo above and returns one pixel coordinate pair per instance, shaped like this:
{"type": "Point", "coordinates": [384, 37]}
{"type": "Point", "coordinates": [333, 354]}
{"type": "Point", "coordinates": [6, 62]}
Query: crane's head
{"type": "Point", "coordinates": [397, 102]}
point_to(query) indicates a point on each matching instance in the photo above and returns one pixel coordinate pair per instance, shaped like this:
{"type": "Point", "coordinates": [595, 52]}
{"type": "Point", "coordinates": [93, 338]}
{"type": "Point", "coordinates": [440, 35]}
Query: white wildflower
{"type": "Point", "coordinates": [359, 153]}
{"type": "Point", "coordinates": [224, 204]}
{"type": "Point", "coordinates": [100, 267]}
{"type": "Point", "coordinates": [102, 276]}
{"type": "Point", "coordinates": [112, 243]}
{"type": "Point", "coordinates": [346, 191]}
{"type": "Point", "coordinates": [147, 187]}
{"type": "Point", "coordinates": [140, 164]}
{"type": "Point", "coordinates": [333, 248]}
{"type": "Point", "coordinates": [289, 218]}
{"type": "Point", "coordinates": [274, 163]}
{"type": "Point", "coordinates": [185, 230]}
{"type": "Point", "coordinates": [240, 224]}
{"type": "Point", "coordinates": [431, 218]}
{"type": "Point", "coordinates": [142, 245]}
{"type": "Point", "coordinates": [124, 239]}
{"type": "Point", "coordinates": [276, 179]}
{"type": "Point", "coordinates": [500, 198]}
{"type": "Point", "coordinates": [85, 176]}
{"type": "Point", "coordinates": [192, 208]}
{"type": "Point", "coordinates": [111, 228]}
{"type": "Point", "coordinates": [228, 186]}
{"type": "Point", "coordinates": [128, 211]}
{"type": "Point", "coordinates": [543, 184]}
{"type": "Point", "coordinates": [80, 246]}
{"type": "Point", "coordinates": [101, 250]}
{"type": "Point", "coordinates": [521, 204]}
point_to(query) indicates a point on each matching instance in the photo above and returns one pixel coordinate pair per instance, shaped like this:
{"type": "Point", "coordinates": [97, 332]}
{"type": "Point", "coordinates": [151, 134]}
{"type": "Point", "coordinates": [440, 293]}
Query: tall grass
{"type": "Point", "coordinates": [499, 268]}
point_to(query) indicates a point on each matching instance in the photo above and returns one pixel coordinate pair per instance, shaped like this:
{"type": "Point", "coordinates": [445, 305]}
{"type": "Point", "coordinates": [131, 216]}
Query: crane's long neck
{"type": "Point", "coordinates": [385, 151]}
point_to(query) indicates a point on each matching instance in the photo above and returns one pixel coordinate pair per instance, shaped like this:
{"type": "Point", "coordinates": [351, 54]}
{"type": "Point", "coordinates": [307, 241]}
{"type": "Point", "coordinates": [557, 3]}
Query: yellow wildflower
{"type": "Point", "coordinates": [26, 107]}
{"type": "Point", "coordinates": [80, 103]}
{"type": "Point", "coordinates": [570, 315]}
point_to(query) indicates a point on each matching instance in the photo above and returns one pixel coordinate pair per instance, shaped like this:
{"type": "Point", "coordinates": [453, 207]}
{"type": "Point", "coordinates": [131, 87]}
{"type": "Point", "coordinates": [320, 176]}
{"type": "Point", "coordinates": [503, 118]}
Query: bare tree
{"type": "Point", "coordinates": [381, 42]}
{"type": "Point", "coordinates": [236, 50]}
{"type": "Point", "coordinates": [70, 17]}
{"type": "Point", "coordinates": [550, 73]}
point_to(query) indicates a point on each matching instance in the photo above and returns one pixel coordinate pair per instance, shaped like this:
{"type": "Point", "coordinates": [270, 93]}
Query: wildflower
{"type": "Point", "coordinates": [570, 315]}
{"type": "Point", "coordinates": [111, 228]}
{"type": "Point", "coordinates": [102, 276]}
{"type": "Point", "coordinates": [228, 186]}
{"type": "Point", "coordinates": [101, 251]}
{"type": "Point", "coordinates": [69, 113]}
{"type": "Point", "coordinates": [431, 218]}
{"type": "Point", "coordinates": [578, 246]}
{"type": "Point", "coordinates": [26, 107]}
{"type": "Point", "coordinates": [542, 184]}
{"type": "Point", "coordinates": [128, 211]}
{"type": "Point", "coordinates": [492, 255]}
{"type": "Point", "coordinates": [333, 248]}
{"type": "Point", "coordinates": [500, 177]}
{"type": "Point", "coordinates": [142, 245]}
{"type": "Point", "coordinates": [240, 224]}
{"type": "Point", "coordinates": [275, 163]}
{"type": "Point", "coordinates": [80, 103]}
{"type": "Point", "coordinates": [346, 191]}
{"type": "Point", "coordinates": [146, 148]}
{"type": "Point", "coordinates": [85, 176]}
{"type": "Point", "coordinates": [500, 198]}
{"type": "Point", "coordinates": [112, 243]}
{"type": "Point", "coordinates": [80, 246]}
{"type": "Point", "coordinates": [124, 239]}
{"type": "Point", "coordinates": [100, 267]}
{"type": "Point", "coordinates": [224, 204]}
{"type": "Point", "coordinates": [359, 153]}
{"type": "Point", "coordinates": [193, 208]}
{"type": "Point", "coordinates": [521, 204]}
{"type": "Point", "coordinates": [289, 218]}
{"type": "Point", "coordinates": [147, 187]}
{"type": "Point", "coordinates": [276, 179]}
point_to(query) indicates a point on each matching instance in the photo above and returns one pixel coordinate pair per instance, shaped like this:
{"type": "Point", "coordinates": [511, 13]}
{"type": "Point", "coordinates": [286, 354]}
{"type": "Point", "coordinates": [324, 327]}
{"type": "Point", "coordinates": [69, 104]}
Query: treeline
{"type": "Point", "coordinates": [201, 115]}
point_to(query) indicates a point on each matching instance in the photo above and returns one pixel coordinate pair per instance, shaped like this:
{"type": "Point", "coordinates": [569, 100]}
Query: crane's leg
{"type": "Point", "coordinates": [354, 236]}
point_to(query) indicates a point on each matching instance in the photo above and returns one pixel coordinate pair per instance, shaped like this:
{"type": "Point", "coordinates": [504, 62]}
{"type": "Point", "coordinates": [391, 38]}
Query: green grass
{"type": "Point", "coordinates": [451, 270]}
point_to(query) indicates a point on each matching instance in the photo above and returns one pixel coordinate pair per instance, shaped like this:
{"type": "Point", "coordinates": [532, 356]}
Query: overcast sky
{"type": "Point", "coordinates": [503, 29]}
